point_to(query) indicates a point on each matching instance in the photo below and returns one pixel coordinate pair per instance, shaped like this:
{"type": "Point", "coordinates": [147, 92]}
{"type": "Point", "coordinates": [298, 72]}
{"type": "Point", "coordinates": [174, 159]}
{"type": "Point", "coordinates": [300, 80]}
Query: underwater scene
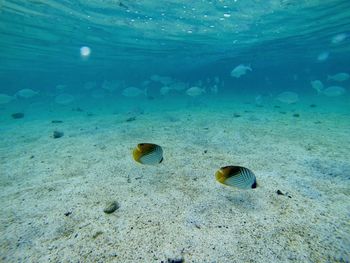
{"type": "Point", "coordinates": [206, 131]}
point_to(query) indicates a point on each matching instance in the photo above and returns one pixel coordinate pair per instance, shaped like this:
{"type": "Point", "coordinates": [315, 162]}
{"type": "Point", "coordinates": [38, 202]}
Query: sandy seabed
{"type": "Point", "coordinates": [53, 191]}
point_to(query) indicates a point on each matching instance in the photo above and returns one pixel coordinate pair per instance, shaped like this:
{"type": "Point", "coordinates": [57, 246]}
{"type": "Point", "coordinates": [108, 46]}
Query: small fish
{"type": "Point", "coordinates": [61, 86]}
{"type": "Point", "coordinates": [148, 153]}
{"type": "Point", "coordinates": [317, 85]}
{"type": "Point", "coordinates": [339, 77]}
{"type": "Point", "coordinates": [110, 86]}
{"type": "Point", "coordinates": [195, 91]}
{"type": "Point", "coordinates": [134, 92]}
{"type": "Point", "coordinates": [323, 56]}
{"type": "Point", "coordinates": [240, 70]}
{"type": "Point", "coordinates": [288, 97]}
{"type": "Point", "coordinates": [236, 176]}
{"type": "Point", "coordinates": [339, 38]}
{"type": "Point", "coordinates": [26, 93]}
{"type": "Point", "coordinates": [334, 91]}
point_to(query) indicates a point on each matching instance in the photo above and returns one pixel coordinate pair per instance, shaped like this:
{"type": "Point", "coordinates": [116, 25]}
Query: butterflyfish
{"type": "Point", "coordinates": [237, 177]}
{"type": "Point", "coordinates": [148, 153]}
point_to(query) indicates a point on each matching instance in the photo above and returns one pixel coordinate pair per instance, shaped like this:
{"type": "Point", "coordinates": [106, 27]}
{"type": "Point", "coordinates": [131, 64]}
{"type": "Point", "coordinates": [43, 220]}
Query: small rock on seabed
{"type": "Point", "coordinates": [111, 207]}
{"type": "Point", "coordinates": [17, 115]}
{"type": "Point", "coordinates": [57, 134]}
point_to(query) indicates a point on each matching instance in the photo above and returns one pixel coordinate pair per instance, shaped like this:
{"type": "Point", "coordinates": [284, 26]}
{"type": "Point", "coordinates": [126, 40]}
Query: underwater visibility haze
{"type": "Point", "coordinates": [175, 131]}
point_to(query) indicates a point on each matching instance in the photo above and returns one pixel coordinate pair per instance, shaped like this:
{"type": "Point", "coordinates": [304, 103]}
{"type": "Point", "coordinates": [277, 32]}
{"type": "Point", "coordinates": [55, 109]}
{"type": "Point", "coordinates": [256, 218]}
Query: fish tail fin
{"type": "Point", "coordinates": [250, 67]}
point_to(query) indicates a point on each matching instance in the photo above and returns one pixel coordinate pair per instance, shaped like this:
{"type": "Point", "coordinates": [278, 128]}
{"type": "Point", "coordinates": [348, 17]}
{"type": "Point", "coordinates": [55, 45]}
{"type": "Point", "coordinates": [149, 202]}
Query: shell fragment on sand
{"type": "Point", "coordinates": [111, 207]}
{"type": "Point", "coordinates": [148, 153]}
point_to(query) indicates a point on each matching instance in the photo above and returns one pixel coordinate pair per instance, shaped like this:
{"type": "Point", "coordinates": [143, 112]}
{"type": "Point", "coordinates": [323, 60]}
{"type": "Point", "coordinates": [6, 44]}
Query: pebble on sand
{"type": "Point", "coordinates": [175, 260]}
{"type": "Point", "coordinates": [17, 115]}
{"type": "Point", "coordinates": [57, 134]}
{"type": "Point", "coordinates": [279, 192]}
{"type": "Point", "coordinates": [131, 119]}
{"type": "Point", "coordinates": [111, 207]}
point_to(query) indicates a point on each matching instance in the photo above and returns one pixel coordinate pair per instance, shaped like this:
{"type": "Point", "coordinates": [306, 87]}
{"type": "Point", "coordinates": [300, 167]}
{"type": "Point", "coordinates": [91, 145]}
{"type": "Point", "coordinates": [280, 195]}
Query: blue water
{"type": "Point", "coordinates": [40, 42]}
{"type": "Point", "coordinates": [298, 144]}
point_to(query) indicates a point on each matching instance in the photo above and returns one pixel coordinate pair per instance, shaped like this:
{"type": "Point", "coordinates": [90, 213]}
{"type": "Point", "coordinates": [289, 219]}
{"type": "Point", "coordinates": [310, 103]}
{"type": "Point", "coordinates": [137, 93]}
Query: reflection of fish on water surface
{"type": "Point", "coordinates": [148, 153]}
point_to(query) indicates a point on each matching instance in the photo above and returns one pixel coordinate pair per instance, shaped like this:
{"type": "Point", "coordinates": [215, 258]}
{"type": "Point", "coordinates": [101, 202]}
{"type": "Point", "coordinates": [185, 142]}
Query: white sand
{"type": "Point", "coordinates": [176, 209]}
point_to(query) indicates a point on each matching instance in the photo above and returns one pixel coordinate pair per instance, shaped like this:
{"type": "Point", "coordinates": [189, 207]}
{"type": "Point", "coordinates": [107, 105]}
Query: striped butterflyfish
{"type": "Point", "coordinates": [236, 176]}
{"type": "Point", "coordinates": [148, 153]}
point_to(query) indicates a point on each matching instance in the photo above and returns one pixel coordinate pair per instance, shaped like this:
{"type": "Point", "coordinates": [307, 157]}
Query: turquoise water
{"type": "Point", "coordinates": [132, 41]}
{"type": "Point", "coordinates": [259, 84]}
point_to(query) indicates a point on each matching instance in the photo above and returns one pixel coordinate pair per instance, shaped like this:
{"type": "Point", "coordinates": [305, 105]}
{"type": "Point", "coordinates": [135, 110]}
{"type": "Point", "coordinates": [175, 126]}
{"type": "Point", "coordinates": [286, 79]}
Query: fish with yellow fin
{"type": "Point", "coordinates": [236, 176]}
{"type": "Point", "coordinates": [148, 153]}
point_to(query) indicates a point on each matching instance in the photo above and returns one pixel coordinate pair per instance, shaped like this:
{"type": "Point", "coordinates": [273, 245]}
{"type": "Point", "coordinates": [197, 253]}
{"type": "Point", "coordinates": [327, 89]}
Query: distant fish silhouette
{"type": "Point", "coordinates": [317, 85]}
{"type": "Point", "coordinates": [288, 97]}
{"type": "Point", "coordinates": [195, 91]}
{"type": "Point", "coordinates": [240, 70]}
{"type": "Point", "coordinates": [26, 93]}
{"type": "Point", "coordinates": [339, 77]}
{"type": "Point", "coordinates": [334, 91]}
